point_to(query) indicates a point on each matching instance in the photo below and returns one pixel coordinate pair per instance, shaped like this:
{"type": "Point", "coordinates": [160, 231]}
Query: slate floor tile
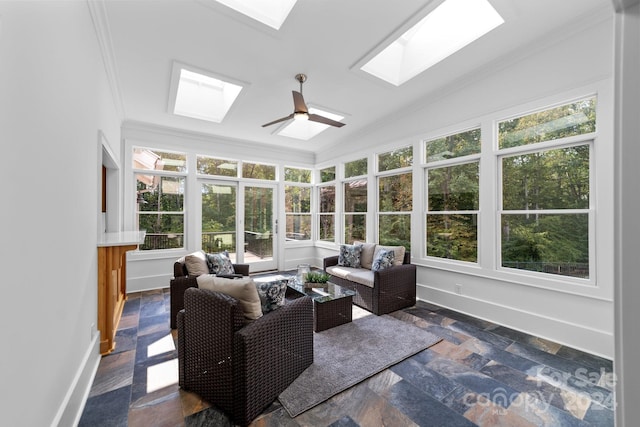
{"type": "Point", "coordinates": [423, 409]}
{"type": "Point", "coordinates": [489, 337]}
{"type": "Point", "coordinates": [480, 374]}
{"type": "Point", "coordinates": [109, 409]}
{"type": "Point", "coordinates": [424, 378]}
{"type": "Point", "coordinates": [545, 358]}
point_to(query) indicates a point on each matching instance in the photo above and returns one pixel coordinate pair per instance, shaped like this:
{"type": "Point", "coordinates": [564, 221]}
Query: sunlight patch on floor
{"type": "Point", "coordinates": [162, 375]}
{"type": "Point", "coordinates": [163, 345]}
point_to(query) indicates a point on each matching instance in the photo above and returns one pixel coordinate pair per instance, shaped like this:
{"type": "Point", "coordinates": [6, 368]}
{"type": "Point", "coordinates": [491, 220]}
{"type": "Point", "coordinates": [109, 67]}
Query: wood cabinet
{"type": "Point", "coordinates": [112, 283]}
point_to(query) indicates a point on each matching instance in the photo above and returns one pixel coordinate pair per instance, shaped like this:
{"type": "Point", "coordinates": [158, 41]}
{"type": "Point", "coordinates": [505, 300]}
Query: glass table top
{"type": "Point", "coordinates": [323, 292]}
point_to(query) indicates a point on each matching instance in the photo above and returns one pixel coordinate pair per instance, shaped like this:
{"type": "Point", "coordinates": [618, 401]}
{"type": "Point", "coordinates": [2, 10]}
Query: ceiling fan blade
{"type": "Point", "coordinates": [298, 103]}
{"type": "Point", "coordinates": [290, 116]}
{"type": "Point", "coordinates": [326, 121]}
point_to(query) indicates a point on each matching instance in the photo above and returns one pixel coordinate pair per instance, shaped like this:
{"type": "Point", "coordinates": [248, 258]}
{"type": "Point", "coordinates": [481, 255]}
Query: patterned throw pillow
{"type": "Point", "coordinates": [271, 294]}
{"type": "Point", "coordinates": [349, 256]}
{"type": "Point", "coordinates": [220, 263]}
{"type": "Point", "coordinates": [384, 259]}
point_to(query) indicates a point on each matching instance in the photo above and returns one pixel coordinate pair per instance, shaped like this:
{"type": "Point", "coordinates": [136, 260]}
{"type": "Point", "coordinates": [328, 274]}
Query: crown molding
{"type": "Point", "coordinates": [132, 129]}
{"type": "Point", "coordinates": [98, 11]}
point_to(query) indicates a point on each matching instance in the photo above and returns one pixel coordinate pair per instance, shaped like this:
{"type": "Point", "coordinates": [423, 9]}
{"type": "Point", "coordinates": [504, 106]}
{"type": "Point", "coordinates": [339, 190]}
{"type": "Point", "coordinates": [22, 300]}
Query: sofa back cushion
{"type": "Point", "coordinates": [366, 254]}
{"type": "Point", "coordinates": [196, 263]}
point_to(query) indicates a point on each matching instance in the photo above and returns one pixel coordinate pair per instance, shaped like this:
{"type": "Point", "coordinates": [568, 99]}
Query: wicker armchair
{"type": "Point", "coordinates": [181, 281]}
{"type": "Point", "coordinates": [241, 368]}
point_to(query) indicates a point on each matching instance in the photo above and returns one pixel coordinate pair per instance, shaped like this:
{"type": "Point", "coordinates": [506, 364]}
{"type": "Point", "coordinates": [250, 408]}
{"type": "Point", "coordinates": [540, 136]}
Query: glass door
{"type": "Point", "coordinates": [260, 227]}
{"type": "Point", "coordinates": [219, 230]}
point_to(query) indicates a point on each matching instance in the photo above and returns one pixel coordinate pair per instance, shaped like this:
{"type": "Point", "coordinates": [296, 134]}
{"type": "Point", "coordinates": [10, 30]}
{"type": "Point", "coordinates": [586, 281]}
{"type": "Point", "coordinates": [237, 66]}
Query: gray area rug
{"type": "Point", "coordinates": [351, 353]}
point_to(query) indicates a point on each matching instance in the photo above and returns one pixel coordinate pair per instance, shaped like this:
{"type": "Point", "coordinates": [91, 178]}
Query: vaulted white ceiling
{"type": "Point", "coordinates": [327, 40]}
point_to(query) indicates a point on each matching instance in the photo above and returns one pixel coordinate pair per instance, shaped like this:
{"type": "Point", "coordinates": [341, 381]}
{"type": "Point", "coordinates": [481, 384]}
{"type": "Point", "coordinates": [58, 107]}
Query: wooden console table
{"type": "Point", "coordinates": [112, 282]}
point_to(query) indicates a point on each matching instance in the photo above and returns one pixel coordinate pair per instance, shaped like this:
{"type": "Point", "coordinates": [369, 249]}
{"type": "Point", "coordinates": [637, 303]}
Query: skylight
{"type": "Point", "coordinates": [272, 13]}
{"type": "Point", "coordinates": [306, 129]}
{"type": "Point", "coordinates": [447, 29]}
{"type": "Point", "coordinates": [200, 96]}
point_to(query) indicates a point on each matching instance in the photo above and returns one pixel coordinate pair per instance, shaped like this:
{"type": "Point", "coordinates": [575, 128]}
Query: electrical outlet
{"type": "Point", "coordinates": [458, 289]}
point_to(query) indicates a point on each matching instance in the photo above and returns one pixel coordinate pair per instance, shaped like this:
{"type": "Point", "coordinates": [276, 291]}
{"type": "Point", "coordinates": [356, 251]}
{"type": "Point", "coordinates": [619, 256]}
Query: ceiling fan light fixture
{"type": "Point", "coordinates": [301, 116]}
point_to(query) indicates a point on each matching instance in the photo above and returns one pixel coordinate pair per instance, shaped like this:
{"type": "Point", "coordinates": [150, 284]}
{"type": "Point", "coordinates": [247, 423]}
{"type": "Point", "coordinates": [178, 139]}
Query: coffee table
{"type": "Point", "coordinates": [331, 304]}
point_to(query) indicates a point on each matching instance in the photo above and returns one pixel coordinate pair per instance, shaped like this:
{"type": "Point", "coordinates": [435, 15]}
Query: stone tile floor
{"type": "Point", "coordinates": [481, 374]}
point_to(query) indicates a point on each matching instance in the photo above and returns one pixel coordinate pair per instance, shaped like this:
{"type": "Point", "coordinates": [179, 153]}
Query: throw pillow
{"type": "Point", "coordinates": [383, 259]}
{"type": "Point", "coordinates": [271, 294]}
{"type": "Point", "coordinates": [349, 256]}
{"type": "Point", "coordinates": [244, 290]}
{"type": "Point", "coordinates": [220, 263]}
{"type": "Point", "coordinates": [398, 251]}
{"type": "Point", "coordinates": [196, 264]}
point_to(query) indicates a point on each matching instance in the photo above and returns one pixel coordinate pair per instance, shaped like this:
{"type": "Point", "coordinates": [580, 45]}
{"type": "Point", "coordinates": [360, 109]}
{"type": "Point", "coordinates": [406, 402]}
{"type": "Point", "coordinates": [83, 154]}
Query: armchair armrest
{"type": "Point", "coordinates": [205, 344]}
{"type": "Point", "coordinates": [329, 261]}
{"type": "Point", "coordinates": [395, 287]}
{"type": "Point", "coordinates": [279, 342]}
{"type": "Point", "coordinates": [241, 269]}
{"type": "Point", "coordinates": [177, 287]}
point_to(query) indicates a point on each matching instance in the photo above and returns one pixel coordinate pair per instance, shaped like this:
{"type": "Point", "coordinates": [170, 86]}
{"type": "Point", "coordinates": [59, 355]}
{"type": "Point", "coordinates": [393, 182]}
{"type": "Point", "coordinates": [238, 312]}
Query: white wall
{"type": "Point", "coordinates": [54, 100]}
{"type": "Point", "coordinates": [574, 63]}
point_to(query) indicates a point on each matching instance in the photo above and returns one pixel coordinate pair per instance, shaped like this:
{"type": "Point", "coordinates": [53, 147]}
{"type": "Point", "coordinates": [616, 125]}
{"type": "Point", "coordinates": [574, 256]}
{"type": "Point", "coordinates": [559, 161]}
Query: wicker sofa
{"type": "Point", "coordinates": [379, 292]}
{"type": "Point", "coordinates": [237, 366]}
{"type": "Point", "coordinates": [182, 280]}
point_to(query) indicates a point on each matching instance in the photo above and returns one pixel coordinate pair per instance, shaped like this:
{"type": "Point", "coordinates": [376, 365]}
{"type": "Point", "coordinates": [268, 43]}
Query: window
{"type": "Point", "coordinates": [546, 190]}
{"type": "Point", "coordinates": [355, 201]}
{"type": "Point", "coordinates": [297, 175]}
{"type": "Point", "coordinates": [396, 159]}
{"type": "Point", "coordinates": [445, 30]}
{"type": "Point", "coordinates": [327, 212]}
{"type": "Point", "coordinates": [328, 174]}
{"type": "Point", "coordinates": [217, 167]}
{"type": "Point", "coordinates": [394, 209]}
{"type": "Point", "coordinates": [545, 210]}
{"type": "Point", "coordinates": [395, 198]}
{"type": "Point", "coordinates": [355, 210]}
{"type": "Point", "coordinates": [577, 118]}
{"type": "Point", "coordinates": [219, 218]}
{"type": "Point", "coordinates": [452, 182]}
{"type": "Point", "coordinates": [160, 183]}
{"type": "Point", "coordinates": [200, 94]}
{"type": "Point", "coordinates": [258, 171]}
{"type": "Point", "coordinates": [297, 204]}
{"type": "Point", "coordinates": [355, 168]}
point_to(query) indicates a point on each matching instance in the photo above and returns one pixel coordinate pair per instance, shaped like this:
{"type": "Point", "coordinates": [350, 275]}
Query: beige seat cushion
{"type": "Point", "coordinates": [196, 263]}
{"type": "Point", "coordinates": [366, 254]}
{"type": "Point", "coordinates": [398, 253]}
{"type": "Point", "coordinates": [358, 275]}
{"type": "Point", "coordinates": [244, 290]}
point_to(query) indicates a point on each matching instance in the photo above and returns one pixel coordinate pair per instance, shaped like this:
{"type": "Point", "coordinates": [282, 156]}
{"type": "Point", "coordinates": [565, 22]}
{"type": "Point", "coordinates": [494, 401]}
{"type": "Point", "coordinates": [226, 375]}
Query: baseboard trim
{"type": "Point", "coordinates": [76, 397]}
{"type": "Point", "coordinates": [590, 340]}
{"type": "Point", "coordinates": [148, 283]}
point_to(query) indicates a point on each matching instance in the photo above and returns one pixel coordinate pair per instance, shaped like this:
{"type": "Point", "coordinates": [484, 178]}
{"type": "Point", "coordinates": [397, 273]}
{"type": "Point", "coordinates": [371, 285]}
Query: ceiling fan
{"type": "Point", "coordinates": [301, 112]}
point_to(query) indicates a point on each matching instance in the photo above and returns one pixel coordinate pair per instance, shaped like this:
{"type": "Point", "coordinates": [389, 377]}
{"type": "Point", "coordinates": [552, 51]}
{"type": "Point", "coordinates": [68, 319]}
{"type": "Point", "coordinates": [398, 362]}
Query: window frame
{"type": "Point", "coordinates": [403, 170]}
{"type": "Point", "coordinates": [161, 173]}
{"type": "Point", "coordinates": [426, 166]}
{"type": "Point", "coordinates": [587, 139]}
